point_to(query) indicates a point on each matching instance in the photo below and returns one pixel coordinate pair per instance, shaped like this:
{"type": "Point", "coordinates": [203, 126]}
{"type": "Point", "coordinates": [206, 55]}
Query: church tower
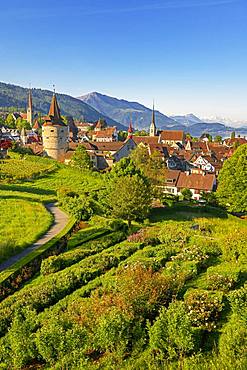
{"type": "Point", "coordinates": [153, 130]}
{"type": "Point", "coordinates": [130, 129]}
{"type": "Point", "coordinates": [30, 108]}
{"type": "Point", "coordinates": [55, 133]}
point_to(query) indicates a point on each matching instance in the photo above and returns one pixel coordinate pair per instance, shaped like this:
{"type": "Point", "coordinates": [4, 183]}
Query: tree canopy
{"type": "Point", "coordinates": [130, 198]}
{"type": "Point", "coordinates": [81, 158]}
{"type": "Point", "coordinates": [152, 166]}
{"type": "Point", "coordinates": [232, 189]}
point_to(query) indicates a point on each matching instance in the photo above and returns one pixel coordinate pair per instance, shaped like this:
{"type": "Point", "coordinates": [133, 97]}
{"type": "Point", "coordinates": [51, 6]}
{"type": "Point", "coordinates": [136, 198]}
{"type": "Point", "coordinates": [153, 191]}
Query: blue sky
{"type": "Point", "coordinates": [189, 55]}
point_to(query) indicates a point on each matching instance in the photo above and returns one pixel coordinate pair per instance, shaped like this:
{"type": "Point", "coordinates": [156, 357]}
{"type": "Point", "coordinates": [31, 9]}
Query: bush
{"type": "Point", "coordinates": [233, 340]}
{"type": "Point", "coordinates": [238, 301]}
{"type": "Point", "coordinates": [55, 263]}
{"type": "Point", "coordinates": [192, 253]}
{"type": "Point", "coordinates": [82, 236]}
{"type": "Point", "coordinates": [223, 277]}
{"type": "Point", "coordinates": [187, 194]}
{"type": "Point", "coordinates": [109, 223]}
{"type": "Point", "coordinates": [204, 308]}
{"type": "Point", "coordinates": [57, 286]}
{"type": "Point", "coordinates": [172, 334]}
{"type": "Point", "coordinates": [113, 331]}
{"type": "Point", "coordinates": [186, 269]}
{"type": "Point", "coordinates": [57, 338]}
{"type": "Point", "coordinates": [16, 349]}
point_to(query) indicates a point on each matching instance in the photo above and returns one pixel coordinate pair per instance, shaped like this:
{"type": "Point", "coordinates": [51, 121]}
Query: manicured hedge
{"type": "Point", "coordinates": [55, 287]}
{"type": "Point", "coordinates": [85, 235]}
{"type": "Point", "coordinates": [57, 263]}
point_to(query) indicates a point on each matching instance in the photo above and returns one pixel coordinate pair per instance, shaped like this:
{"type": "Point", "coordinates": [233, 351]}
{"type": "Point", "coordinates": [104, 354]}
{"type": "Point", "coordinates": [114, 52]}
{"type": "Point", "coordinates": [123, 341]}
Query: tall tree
{"type": "Point", "coordinates": [22, 123]}
{"type": "Point", "coordinates": [81, 159]}
{"type": "Point", "coordinates": [218, 139]}
{"type": "Point", "coordinates": [153, 166]}
{"type": "Point", "coordinates": [130, 198]}
{"type": "Point", "coordinates": [232, 189]}
{"type": "Point", "coordinates": [10, 122]}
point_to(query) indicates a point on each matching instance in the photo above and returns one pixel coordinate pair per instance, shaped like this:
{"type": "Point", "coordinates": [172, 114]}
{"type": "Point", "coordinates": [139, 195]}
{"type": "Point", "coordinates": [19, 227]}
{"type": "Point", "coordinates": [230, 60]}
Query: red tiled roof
{"type": "Point", "coordinates": [23, 115]}
{"type": "Point", "coordinates": [172, 135]}
{"type": "Point", "coordinates": [154, 148]}
{"type": "Point", "coordinates": [196, 181]}
{"type": "Point", "coordinates": [172, 175]}
{"type": "Point", "coordinates": [109, 147]}
{"type": "Point", "coordinates": [239, 140]}
{"type": "Point", "coordinates": [108, 132]}
{"type": "Point", "coordinates": [146, 139]}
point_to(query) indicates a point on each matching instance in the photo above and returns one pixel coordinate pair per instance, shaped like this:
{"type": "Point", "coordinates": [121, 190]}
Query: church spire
{"type": "Point", "coordinates": [153, 130]}
{"type": "Point", "coordinates": [30, 107]}
{"type": "Point", "coordinates": [130, 130]}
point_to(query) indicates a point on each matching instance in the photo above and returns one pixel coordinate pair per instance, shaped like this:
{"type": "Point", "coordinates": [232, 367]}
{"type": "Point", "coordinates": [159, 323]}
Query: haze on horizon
{"type": "Point", "coordinates": [188, 55]}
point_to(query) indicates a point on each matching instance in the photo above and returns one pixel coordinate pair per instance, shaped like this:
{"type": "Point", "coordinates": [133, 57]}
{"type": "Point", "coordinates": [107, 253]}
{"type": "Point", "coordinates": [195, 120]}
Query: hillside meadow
{"type": "Point", "coordinates": [27, 183]}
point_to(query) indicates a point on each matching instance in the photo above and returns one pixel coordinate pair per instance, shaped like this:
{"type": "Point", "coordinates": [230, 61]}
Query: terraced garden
{"type": "Point", "coordinates": [168, 295]}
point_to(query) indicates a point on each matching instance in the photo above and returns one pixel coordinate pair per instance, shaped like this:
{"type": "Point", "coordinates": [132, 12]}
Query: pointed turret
{"type": "Point", "coordinates": [55, 134]}
{"type": "Point", "coordinates": [153, 130]}
{"type": "Point", "coordinates": [54, 115]}
{"type": "Point", "coordinates": [30, 108]}
{"type": "Point", "coordinates": [130, 130]}
{"type": "Point", "coordinates": [54, 111]}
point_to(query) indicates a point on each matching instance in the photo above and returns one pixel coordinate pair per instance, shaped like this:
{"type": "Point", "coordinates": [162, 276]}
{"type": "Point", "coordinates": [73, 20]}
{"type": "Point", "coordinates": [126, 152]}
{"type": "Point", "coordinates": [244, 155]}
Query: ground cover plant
{"type": "Point", "coordinates": [172, 295]}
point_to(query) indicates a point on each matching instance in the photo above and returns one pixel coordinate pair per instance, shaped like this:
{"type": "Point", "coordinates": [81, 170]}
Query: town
{"type": "Point", "coordinates": [191, 163]}
{"type": "Point", "coordinates": [123, 185]}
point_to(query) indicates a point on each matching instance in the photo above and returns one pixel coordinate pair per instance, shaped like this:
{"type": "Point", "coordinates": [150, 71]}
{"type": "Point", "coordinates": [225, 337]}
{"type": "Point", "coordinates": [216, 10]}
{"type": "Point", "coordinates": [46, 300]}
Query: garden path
{"type": "Point", "coordinates": [59, 223]}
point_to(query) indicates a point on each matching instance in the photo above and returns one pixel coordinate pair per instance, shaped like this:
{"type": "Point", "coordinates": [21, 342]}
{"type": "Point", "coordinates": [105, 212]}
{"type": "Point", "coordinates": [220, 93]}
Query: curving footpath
{"type": "Point", "coordinates": [60, 221]}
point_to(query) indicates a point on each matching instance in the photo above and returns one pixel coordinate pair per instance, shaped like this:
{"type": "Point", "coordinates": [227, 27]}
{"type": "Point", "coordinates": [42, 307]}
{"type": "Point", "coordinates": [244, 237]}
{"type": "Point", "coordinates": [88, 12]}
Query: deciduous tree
{"type": "Point", "coordinates": [81, 159]}
{"type": "Point", "coordinates": [232, 189]}
{"type": "Point", "coordinates": [130, 198]}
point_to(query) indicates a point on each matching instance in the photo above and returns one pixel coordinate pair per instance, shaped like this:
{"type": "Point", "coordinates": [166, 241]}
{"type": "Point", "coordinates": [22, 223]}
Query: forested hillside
{"type": "Point", "coordinates": [16, 96]}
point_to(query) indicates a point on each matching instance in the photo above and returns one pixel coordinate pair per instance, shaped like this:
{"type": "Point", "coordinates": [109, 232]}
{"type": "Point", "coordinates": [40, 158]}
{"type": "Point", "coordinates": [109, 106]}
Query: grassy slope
{"type": "Point", "coordinates": [25, 185]}
{"type": "Point", "coordinates": [22, 223]}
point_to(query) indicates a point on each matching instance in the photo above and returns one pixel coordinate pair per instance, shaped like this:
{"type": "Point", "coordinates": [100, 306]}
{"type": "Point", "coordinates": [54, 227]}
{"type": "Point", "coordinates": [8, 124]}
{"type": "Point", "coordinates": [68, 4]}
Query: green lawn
{"type": "Point", "coordinates": [21, 223]}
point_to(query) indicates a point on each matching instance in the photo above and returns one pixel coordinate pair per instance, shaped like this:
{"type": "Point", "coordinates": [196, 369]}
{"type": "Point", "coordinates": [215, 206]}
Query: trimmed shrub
{"type": "Point", "coordinates": [204, 308]}
{"type": "Point", "coordinates": [233, 340]}
{"type": "Point", "coordinates": [238, 301]}
{"type": "Point", "coordinates": [223, 277]}
{"type": "Point", "coordinates": [172, 334]}
{"type": "Point", "coordinates": [55, 287]}
{"type": "Point", "coordinates": [60, 262]}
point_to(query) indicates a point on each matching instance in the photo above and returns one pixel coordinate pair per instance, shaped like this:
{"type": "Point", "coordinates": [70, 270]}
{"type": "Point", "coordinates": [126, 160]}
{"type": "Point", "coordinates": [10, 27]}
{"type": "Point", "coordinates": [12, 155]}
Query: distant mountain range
{"type": "Point", "coordinates": [116, 112]}
{"type": "Point", "coordinates": [121, 110]}
{"type": "Point", "coordinates": [16, 96]}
